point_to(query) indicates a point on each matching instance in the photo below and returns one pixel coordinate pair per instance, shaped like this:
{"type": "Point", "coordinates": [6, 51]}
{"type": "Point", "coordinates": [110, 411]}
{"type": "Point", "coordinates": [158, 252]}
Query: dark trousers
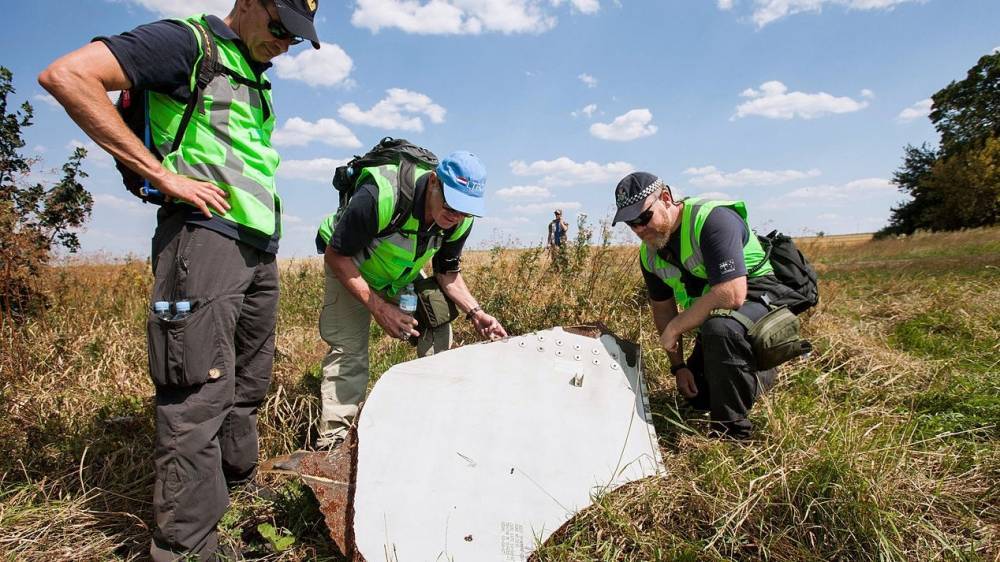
{"type": "Point", "coordinates": [722, 364]}
{"type": "Point", "coordinates": [211, 372]}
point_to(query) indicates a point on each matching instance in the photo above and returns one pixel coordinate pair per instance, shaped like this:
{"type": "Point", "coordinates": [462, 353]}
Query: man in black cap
{"type": "Point", "coordinates": [702, 254]}
{"type": "Point", "coordinates": [203, 143]}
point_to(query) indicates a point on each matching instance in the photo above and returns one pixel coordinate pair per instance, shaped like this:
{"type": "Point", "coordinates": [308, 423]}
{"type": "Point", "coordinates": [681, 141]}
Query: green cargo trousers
{"type": "Point", "coordinates": [211, 372]}
{"type": "Point", "coordinates": [344, 326]}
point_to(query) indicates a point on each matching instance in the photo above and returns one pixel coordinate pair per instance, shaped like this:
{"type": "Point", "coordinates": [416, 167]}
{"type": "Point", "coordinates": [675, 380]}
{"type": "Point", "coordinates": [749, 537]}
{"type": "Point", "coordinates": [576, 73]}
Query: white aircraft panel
{"type": "Point", "coordinates": [480, 453]}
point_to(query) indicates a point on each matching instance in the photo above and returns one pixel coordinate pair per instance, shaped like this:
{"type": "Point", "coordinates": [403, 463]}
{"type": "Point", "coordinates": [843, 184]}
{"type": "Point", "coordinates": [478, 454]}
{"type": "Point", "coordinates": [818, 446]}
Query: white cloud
{"type": "Point", "coordinates": [768, 11]}
{"type": "Point", "coordinates": [47, 99]}
{"type": "Point", "coordinates": [633, 125]}
{"type": "Point", "coordinates": [774, 101]}
{"type": "Point", "coordinates": [725, 5]}
{"type": "Point", "coordinates": [714, 195]}
{"type": "Point", "coordinates": [587, 79]}
{"type": "Point", "coordinates": [996, 49]}
{"type": "Point", "coordinates": [396, 111]}
{"type": "Point", "coordinates": [184, 8]}
{"type": "Point", "coordinates": [328, 66]}
{"type": "Point", "coordinates": [920, 109]}
{"type": "Point", "coordinates": [866, 93]}
{"type": "Point", "coordinates": [548, 207]}
{"type": "Point", "coordinates": [463, 17]}
{"type": "Point", "coordinates": [130, 205]}
{"type": "Point", "coordinates": [587, 110]}
{"type": "Point", "coordinates": [299, 132]}
{"type": "Point", "coordinates": [710, 176]}
{"type": "Point", "coordinates": [528, 192]}
{"type": "Point", "coordinates": [40, 148]}
{"type": "Point", "coordinates": [564, 171]}
{"type": "Point", "coordinates": [318, 169]}
{"type": "Point", "coordinates": [833, 193]}
{"type": "Point", "coordinates": [585, 6]}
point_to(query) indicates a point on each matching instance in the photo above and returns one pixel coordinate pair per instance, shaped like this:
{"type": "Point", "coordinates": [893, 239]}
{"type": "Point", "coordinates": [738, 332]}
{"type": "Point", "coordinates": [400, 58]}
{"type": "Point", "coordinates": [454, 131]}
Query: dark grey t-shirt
{"type": "Point", "coordinates": [722, 239]}
{"type": "Point", "coordinates": [159, 57]}
{"type": "Point", "coordinates": [358, 226]}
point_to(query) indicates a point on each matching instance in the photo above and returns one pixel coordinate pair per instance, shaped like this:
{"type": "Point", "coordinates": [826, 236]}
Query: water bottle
{"type": "Point", "coordinates": [183, 309]}
{"type": "Point", "coordinates": [162, 310]}
{"type": "Point", "coordinates": [408, 300]}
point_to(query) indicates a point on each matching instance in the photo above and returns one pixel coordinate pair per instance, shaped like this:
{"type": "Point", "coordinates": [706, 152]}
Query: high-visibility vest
{"type": "Point", "coordinates": [693, 219]}
{"type": "Point", "coordinates": [390, 261]}
{"type": "Point", "coordinates": [228, 139]}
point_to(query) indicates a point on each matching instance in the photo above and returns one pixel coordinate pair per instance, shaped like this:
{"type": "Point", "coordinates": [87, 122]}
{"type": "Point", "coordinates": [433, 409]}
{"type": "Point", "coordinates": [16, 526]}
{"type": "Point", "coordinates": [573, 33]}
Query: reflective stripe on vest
{"type": "Point", "coordinates": [228, 141]}
{"type": "Point", "coordinates": [390, 262]}
{"type": "Point", "coordinates": [693, 218]}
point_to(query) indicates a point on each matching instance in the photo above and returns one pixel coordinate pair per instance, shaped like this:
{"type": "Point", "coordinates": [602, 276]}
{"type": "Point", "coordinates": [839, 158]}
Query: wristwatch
{"type": "Point", "coordinates": [472, 313]}
{"type": "Point", "coordinates": [677, 367]}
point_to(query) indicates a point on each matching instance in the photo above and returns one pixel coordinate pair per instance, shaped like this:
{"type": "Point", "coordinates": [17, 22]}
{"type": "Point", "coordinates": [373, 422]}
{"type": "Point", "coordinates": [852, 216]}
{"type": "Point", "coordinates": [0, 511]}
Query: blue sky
{"type": "Point", "coordinates": [799, 107]}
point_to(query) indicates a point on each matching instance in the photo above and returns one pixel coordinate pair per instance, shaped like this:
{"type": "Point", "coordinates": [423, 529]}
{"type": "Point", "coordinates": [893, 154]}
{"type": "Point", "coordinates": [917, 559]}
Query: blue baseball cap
{"type": "Point", "coordinates": [463, 177]}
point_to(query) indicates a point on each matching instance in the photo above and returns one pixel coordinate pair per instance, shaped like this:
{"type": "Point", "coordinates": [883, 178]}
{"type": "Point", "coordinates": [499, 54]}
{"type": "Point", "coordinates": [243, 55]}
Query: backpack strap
{"type": "Point", "coordinates": [766, 242]}
{"type": "Point", "coordinates": [404, 199]}
{"type": "Point", "coordinates": [738, 316]}
{"type": "Point", "coordinates": [207, 68]}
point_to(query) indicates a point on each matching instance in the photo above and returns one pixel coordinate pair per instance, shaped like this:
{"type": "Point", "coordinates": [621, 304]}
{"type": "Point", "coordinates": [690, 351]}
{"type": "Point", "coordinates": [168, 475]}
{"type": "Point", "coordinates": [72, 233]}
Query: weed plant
{"type": "Point", "coordinates": [882, 445]}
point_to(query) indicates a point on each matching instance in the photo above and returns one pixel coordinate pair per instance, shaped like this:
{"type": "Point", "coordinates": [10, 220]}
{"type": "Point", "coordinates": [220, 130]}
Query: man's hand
{"type": "Point", "coordinates": [395, 322]}
{"type": "Point", "coordinates": [201, 194]}
{"type": "Point", "coordinates": [670, 337]}
{"type": "Point", "coordinates": [487, 326]}
{"type": "Point", "coordinates": [685, 383]}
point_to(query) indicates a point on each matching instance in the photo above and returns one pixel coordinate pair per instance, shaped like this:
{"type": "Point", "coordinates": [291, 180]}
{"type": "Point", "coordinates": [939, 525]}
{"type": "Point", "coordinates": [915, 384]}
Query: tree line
{"type": "Point", "coordinates": [955, 185]}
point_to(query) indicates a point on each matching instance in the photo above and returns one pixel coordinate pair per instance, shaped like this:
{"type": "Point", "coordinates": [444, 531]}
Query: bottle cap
{"type": "Point", "coordinates": [183, 306]}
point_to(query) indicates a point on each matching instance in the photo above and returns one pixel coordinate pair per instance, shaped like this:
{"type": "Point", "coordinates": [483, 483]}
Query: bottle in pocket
{"type": "Point", "coordinates": [183, 310]}
{"type": "Point", "coordinates": [161, 309]}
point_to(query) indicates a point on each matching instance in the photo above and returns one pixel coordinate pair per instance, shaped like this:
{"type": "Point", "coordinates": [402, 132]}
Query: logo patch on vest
{"type": "Point", "coordinates": [727, 266]}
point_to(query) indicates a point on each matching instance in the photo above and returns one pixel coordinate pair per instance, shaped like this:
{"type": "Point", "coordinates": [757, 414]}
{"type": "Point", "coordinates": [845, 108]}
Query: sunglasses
{"type": "Point", "coordinates": [643, 218]}
{"type": "Point", "coordinates": [278, 29]}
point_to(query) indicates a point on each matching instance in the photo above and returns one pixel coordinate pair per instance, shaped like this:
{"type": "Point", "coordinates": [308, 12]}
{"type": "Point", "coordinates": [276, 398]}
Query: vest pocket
{"type": "Point", "coordinates": [196, 349]}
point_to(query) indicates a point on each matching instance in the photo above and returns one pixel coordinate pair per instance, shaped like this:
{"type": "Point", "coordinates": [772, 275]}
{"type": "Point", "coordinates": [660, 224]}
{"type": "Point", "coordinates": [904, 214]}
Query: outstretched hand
{"type": "Point", "coordinates": [487, 326]}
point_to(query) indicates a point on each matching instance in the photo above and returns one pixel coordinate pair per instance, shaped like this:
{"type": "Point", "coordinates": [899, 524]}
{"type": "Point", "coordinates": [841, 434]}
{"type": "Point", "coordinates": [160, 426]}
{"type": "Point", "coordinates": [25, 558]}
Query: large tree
{"type": "Point", "coordinates": [955, 186]}
{"type": "Point", "coordinates": [35, 218]}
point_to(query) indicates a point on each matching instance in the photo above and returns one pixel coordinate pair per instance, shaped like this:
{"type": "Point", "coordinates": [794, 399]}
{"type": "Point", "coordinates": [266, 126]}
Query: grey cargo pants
{"type": "Point", "coordinates": [211, 372]}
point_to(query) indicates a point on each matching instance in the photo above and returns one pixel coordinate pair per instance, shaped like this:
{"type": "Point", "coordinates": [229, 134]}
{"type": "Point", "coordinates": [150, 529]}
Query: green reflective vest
{"type": "Point", "coordinates": [390, 261]}
{"type": "Point", "coordinates": [693, 218]}
{"type": "Point", "coordinates": [228, 140]}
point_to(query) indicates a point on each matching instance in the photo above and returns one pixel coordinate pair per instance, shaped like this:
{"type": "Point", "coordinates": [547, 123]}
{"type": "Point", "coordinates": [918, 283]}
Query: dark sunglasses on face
{"type": "Point", "coordinates": [278, 29]}
{"type": "Point", "coordinates": [643, 218]}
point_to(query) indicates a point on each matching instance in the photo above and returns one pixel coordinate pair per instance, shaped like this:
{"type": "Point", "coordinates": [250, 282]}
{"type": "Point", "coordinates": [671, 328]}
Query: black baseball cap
{"type": "Point", "coordinates": [297, 17]}
{"type": "Point", "coordinates": [631, 194]}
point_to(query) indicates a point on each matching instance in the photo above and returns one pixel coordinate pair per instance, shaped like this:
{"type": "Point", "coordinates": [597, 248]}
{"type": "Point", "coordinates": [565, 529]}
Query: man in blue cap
{"type": "Point", "coordinates": [368, 264]}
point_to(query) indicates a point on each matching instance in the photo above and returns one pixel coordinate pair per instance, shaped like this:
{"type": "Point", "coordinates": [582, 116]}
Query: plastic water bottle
{"type": "Point", "coordinates": [408, 300]}
{"type": "Point", "coordinates": [162, 310]}
{"type": "Point", "coordinates": [183, 309]}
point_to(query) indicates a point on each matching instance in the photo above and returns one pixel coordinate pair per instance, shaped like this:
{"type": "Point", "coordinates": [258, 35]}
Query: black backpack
{"type": "Point", "coordinates": [133, 106]}
{"type": "Point", "coordinates": [399, 152]}
{"type": "Point", "coordinates": [792, 269]}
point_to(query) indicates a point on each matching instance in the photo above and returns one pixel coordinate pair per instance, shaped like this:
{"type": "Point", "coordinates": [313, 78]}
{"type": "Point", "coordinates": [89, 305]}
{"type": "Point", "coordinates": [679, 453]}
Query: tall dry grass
{"type": "Point", "coordinates": [881, 446]}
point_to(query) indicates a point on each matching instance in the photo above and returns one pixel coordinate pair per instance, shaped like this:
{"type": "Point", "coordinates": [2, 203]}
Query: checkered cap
{"type": "Point", "coordinates": [632, 191]}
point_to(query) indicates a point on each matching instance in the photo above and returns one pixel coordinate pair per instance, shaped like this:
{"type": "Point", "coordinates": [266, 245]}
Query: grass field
{"type": "Point", "coordinates": [882, 445]}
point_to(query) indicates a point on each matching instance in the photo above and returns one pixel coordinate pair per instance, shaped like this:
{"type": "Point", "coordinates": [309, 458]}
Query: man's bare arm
{"type": "Point", "coordinates": [394, 321]}
{"type": "Point", "coordinates": [80, 81]}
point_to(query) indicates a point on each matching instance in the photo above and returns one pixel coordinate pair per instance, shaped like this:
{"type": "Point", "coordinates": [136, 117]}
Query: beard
{"type": "Point", "coordinates": [658, 242]}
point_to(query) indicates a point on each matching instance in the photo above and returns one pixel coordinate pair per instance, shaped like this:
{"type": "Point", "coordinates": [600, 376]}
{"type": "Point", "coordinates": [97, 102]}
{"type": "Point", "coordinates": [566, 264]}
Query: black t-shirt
{"type": "Point", "coordinates": [722, 239]}
{"type": "Point", "coordinates": [358, 226]}
{"type": "Point", "coordinates": [159, 57]}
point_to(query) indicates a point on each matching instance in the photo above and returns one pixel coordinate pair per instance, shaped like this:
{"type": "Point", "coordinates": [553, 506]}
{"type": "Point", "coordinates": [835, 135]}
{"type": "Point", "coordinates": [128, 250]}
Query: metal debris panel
{"type": "Point", "coordinates": [481, 452]}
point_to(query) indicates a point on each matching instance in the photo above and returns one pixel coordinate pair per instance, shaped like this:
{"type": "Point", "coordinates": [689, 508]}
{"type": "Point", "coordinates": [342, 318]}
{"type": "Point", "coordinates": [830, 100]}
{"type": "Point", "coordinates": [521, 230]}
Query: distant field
{"type": "Point", "coordinates": [882, 445]}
